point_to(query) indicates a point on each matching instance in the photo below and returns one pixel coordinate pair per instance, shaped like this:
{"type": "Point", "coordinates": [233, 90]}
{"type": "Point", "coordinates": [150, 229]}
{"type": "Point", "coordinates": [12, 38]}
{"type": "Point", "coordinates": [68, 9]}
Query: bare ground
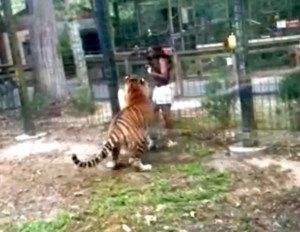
{"type": "Point", "coordinates": [38, 179]}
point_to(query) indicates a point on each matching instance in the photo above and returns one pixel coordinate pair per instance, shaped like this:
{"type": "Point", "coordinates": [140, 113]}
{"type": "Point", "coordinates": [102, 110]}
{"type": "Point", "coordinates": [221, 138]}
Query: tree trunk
{"type": "Point", "coordinates": [78, 53]}
{"type": "Point", "coordinates": [76, 46]}
{"type": "Point", "coordinates": [3, 58]}
{"type": "Point", "coordinates": [3, 55]}
{"type": "Point", "coordinates": [50, 76]}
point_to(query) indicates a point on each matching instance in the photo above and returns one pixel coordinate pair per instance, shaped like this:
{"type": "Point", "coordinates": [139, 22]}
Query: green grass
{"type": "Point", "coordinates": [58, 224]}
{"type": "Point", "coordinates": [168, 193]}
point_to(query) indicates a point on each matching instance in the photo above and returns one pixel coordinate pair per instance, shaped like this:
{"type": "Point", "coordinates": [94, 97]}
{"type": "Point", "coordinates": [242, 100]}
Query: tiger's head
{"type": "Point", "coordinates": [136, 90]}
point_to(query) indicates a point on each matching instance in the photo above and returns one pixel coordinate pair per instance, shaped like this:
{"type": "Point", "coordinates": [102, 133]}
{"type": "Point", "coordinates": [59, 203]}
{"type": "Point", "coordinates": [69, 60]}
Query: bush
{"type": "Point", "coordinates": [289, 92]}
{"type": "Point", "coordinates": [82, 101]}
{"type": "Point", "coordinates": [217, 104]}
{"type": "Point", "coordinates": [289, 87]}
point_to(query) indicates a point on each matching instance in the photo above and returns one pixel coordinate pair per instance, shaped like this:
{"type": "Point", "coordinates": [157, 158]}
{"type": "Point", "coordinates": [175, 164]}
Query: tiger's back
{"type": "Point", "coordinates": [130, 123]}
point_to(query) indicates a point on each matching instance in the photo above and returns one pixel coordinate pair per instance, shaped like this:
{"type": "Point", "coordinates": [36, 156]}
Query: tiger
{"type": "Point", "coordinates": [128, 128]}
{"type": "Point", "coordinates": [123, 102]}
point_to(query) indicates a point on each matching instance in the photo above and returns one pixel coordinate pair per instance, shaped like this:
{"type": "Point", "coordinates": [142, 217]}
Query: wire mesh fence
{"type": "Point", "coordinates": [209, 97]}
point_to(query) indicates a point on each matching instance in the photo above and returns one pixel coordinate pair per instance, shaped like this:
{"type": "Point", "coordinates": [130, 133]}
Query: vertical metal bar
{"type": "Point", "coordinates": [244, 81]}
{"type": "Point", "coordinates": [101, 14]}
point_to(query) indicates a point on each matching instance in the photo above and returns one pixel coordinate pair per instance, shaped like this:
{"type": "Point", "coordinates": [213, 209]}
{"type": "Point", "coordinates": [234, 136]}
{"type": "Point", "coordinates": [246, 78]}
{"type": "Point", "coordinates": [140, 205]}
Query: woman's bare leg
{"type": "Point", "coordinates": [167, 115]}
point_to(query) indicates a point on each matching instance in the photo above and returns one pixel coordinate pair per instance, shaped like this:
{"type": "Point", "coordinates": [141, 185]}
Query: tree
{"type": "Point", "coordinates": [3, 58]}
{"type": "Point", "coordinates": [71, 9]}
{"type": "Point", "coordinates": [49, 73]}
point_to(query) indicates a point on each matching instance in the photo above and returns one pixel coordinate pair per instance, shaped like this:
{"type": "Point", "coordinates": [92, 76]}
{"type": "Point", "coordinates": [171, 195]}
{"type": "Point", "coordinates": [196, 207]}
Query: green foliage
{"type": "Point", "coordinates": [64, 46]}
{"type": "Point", "coordinates": [59, 5]}
{"type": "Point", "coordinates": [65, 51]}
{"type": "Point", "coordinates": [289, 92]}
{"type": "Point", "coordinates": [289, 87]}
{"type": "Point", "coordinates": [82, 101]}
{"type": "Point", "coordinates": [217, 105]}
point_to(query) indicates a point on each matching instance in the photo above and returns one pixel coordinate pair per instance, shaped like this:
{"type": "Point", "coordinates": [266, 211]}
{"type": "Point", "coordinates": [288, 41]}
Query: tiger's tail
{"type": "Point", "coordinates": [107, 149]}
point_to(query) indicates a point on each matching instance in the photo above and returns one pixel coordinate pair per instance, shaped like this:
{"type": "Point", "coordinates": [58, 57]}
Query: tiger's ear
{"type": "Point", "coordinates": [126, 77]}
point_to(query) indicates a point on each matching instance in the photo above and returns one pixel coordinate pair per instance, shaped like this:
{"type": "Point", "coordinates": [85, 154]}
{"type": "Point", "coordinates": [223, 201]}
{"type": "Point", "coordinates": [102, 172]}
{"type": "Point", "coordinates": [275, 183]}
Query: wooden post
{"type": "Point", "coordinates": [29, 127]}
{"type": "Point", "coordinates": [3, 55]}
{"type": "Point", "coordinates": [127, 66]}
{"type": "Point", "coordinates": [178, 76]}
{"type": "Point", "coordinates": [178, 79]}
{"type": "Point", "coordinates": [200, 65]}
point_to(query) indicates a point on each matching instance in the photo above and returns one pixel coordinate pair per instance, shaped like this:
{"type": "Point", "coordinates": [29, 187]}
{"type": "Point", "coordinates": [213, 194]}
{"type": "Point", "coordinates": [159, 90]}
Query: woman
{"type": "Point", "coordinates": [159, 68]}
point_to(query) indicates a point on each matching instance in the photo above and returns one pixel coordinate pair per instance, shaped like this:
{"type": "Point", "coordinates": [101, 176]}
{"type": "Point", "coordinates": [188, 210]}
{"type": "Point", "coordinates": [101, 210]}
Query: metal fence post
{"type": "Point", "coordinates": [101, 15]}
{"type": "Point", "coordinates": [244, 81]}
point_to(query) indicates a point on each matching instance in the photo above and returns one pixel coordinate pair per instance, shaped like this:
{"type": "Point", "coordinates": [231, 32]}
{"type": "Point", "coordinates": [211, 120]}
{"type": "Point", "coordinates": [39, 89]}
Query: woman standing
{"type": "Point", "coordinates": [159, 68]}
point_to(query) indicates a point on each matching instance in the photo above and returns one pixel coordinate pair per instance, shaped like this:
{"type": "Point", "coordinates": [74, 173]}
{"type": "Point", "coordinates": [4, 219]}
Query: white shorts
{"type": "Point", "coordinates": [163, 94]}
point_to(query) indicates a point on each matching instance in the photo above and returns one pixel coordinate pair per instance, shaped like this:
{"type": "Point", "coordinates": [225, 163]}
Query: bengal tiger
{"type": "Point", "coordinates": [123, 102]}
{"type": "Point", "coordinates": [128, 128]}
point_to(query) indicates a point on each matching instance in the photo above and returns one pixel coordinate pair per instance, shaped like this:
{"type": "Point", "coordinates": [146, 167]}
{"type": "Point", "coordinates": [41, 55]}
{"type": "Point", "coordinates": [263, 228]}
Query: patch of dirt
{"type": "Point", "coordinates": [223, 162]}
{"type": "Point", "coordinates": [38, 177]}
{"type": "Point", "coordinates": [264, 197]}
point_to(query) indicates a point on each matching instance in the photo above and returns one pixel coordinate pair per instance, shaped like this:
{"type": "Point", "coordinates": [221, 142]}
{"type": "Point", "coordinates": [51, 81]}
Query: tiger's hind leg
{"type": "Point", "coordinates": [113, 164]}
{"type": "Point", "coordinates": [136, 160]}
